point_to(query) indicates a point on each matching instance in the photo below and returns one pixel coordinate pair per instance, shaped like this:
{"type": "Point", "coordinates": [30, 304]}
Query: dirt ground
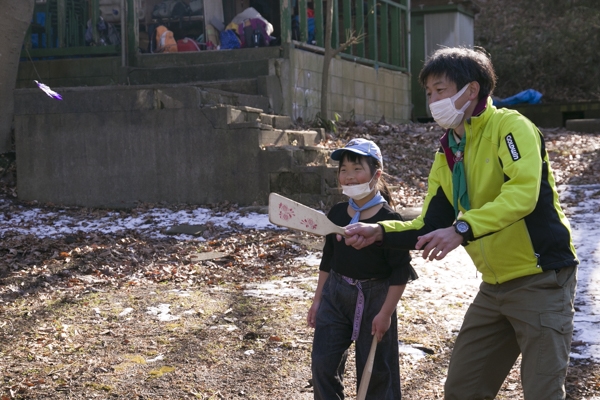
{"type": "Point", "coordinates": [125, 316]}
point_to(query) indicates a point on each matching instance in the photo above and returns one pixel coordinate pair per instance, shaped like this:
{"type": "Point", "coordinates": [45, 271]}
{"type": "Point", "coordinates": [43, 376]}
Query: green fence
{"type": "Point", "coordinates": [385, 23]}
{"type": "Point", "coordinates": [62, 33]}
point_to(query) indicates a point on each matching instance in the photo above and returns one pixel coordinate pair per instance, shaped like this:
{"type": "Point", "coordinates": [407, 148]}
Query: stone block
{"type": "Point", "coordinates": [370, 92]}
{"type": "Point", "coordinates": [246, 125]}
{"type": "Point", "coordinates": [266, 119]}
{"type": "Point", "coordinates": [273, 138]}
{"type": "Point", "coordinates": [288, 183]}
{"type": "Point", "coordinates": [388, 94]}
{"type": "Point", "coordinates": [589, 125]}
{"type": "Point", "coordinates": [281, 122]}
{"type": "Point", "coordinates": [359, 106]}
{"type": "Point", "coordinates": [348, 70]}
{"type": "Point", "coordinates": [336, 102]}
{"type": "Point", "coordinates": [359, 89]}
{"type": "Point", "coordinates": [348, 87]}
{"type": "Point", "coordinates": [335, 84]}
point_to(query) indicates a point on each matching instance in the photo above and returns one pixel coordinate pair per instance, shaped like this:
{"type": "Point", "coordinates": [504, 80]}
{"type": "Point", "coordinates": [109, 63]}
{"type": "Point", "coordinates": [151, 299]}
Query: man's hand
{"type": "Point", "coordinates": [361, 235]}
{"type": "Point", "coordinates": [439, 243]}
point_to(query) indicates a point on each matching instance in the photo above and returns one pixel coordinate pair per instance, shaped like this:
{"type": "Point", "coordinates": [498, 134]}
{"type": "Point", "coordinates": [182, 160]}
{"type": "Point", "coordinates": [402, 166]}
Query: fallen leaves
{"type": "Point", "coordinates": [76, 308]}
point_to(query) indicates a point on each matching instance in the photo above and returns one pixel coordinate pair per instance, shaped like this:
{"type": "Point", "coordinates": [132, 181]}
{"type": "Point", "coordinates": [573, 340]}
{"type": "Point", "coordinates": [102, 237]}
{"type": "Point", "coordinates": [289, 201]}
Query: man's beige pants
{"type": "Point", "coordinates": [532, 316]}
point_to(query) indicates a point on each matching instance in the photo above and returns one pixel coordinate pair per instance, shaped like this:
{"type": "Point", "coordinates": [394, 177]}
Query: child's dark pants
{"type": "Point", "coordinates": [333, 333]}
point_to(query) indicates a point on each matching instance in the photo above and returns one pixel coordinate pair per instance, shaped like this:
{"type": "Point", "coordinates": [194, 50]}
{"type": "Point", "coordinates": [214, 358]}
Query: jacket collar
{"type": "Point", "coordinates": [478, 112]}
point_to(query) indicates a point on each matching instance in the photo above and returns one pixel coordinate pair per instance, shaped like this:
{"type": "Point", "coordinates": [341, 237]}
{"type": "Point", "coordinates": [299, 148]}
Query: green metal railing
{"type": "Point", "coordinates": [385, 22]}
{"type": "Point", "coordinates": [64, 30]}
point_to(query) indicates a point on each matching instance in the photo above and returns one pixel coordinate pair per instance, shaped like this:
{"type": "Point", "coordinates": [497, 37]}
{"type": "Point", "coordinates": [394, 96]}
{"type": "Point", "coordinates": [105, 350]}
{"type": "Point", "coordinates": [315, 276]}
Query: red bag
{"type": "Point", "coordinates": [187, 44]}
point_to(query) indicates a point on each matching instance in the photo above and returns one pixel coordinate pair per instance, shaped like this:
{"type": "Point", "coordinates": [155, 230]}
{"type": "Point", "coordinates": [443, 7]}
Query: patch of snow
{"type": "Point", "coordinates": [162, 312]}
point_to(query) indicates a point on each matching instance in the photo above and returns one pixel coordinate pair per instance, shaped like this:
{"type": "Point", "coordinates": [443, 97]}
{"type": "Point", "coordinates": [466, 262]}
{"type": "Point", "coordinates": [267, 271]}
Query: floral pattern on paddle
{"type": "Point", "coordinates": [309, 223]}
{"type": "Point", "coordinates": [286, 213]}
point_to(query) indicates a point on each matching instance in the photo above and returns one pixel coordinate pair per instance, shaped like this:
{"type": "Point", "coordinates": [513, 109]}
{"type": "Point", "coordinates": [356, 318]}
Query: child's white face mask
{"type": "Point", "coordinates": [358, 192]}
{"type": "Point", "coordinates": [445, 113]}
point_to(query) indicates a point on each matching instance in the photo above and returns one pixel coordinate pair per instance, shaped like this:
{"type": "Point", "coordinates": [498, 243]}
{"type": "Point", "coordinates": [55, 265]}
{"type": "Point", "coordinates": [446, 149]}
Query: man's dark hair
{"type": "Point", "coordinates": [461, 65]}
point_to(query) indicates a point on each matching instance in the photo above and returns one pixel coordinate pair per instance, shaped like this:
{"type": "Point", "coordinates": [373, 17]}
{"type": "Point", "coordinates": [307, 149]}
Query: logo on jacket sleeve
{"type": "Point", "coordinates": [512, 147]}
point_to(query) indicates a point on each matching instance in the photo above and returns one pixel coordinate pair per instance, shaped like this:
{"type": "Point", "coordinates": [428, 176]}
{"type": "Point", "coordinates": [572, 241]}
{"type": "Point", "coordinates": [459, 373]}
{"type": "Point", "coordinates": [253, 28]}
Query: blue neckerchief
{"type": "Point", "coordinates": [378, 199]}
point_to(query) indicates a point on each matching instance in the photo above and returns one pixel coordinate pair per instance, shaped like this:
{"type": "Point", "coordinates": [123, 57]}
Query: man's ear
{"type": "Point", "coordinates": [473, 90]}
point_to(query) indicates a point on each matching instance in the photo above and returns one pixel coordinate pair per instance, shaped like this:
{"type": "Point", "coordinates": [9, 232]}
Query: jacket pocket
{"type": "Point", "coordinates": [508, 253]}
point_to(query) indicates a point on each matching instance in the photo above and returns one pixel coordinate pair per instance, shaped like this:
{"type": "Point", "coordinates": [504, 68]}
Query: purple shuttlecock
{"type": "Point", "coordinates": [48, 91]}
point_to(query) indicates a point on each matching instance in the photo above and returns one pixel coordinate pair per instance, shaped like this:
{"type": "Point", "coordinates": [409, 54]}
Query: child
{"type": "Point", "coordinates": [358, 290]}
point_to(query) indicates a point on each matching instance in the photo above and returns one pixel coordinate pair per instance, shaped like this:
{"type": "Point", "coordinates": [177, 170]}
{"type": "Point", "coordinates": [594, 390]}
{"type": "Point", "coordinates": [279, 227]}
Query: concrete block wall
{"type": "Point", "coordinates": [108, 159]}
{"type": "Point", "coordinates": [355, 89]}
{"type": "Point", "coordinates": [98, 71]}
{"type": "Point", "coordinates": [115, 147]}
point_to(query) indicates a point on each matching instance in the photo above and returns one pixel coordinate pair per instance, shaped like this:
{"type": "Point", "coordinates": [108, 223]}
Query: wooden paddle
{"type": "Point", "coordinates": [366, 376]}
{"type": "Point", "coordinates": [291, 214]}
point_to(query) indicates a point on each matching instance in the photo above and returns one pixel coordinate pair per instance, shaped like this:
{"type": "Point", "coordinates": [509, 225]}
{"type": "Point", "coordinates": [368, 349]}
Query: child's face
{"type": "Point", "coordinates": [354, 173]}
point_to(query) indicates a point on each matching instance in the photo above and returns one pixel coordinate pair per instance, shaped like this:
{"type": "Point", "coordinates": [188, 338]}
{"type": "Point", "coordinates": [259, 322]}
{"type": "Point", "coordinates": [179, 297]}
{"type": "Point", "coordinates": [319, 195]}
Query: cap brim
{"type": "Point", "coordinates": [337, 154]}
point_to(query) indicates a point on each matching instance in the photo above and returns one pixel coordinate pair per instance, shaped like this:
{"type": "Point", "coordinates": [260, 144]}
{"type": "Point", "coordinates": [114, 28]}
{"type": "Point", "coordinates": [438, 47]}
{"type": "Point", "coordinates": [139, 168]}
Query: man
{"type": "Point", "coordinates": [491, 189]}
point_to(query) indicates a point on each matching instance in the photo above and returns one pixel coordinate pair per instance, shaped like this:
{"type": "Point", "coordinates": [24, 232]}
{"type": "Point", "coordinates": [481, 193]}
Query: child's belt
{"type": "Point", "coordinates": [360, 304]}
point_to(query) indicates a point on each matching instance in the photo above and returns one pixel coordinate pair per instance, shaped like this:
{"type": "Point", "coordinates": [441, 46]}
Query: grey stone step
{"type": "Point", "coordinates": [280, 137]}
{"type": "Point", "coordinates": [300, 156]}
{"type": "Point", "coordinates": [242, 86]}
{"type": "Point", "coordinates": [199, 73]}
{"type": "Point", "coordinates": [589, 125]}
{"type": "Point", "coordinates": [208, 57]}
{"type": "Point", "coordinates": [130, 98]}
{"type": "Point", "coordinates": [276, 121]}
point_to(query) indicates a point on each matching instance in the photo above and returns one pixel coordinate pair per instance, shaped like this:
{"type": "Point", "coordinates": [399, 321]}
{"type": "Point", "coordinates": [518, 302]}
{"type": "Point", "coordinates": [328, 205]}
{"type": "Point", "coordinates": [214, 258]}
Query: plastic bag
{"type": "Point", "coordinates": [229, 40]}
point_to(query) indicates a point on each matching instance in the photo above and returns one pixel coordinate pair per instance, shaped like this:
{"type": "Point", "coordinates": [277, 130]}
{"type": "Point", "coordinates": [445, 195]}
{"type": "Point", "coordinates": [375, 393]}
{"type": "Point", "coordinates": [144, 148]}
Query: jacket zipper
{"type": "Point", "coordinates": [470, 156]}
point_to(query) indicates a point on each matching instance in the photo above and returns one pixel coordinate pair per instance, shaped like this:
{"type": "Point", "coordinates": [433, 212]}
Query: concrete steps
{"type": "Point", "coordinates": [297, 168]}
{"type": "Point", "coordinates": [131, 98]}
{"type": "Point", "coordinates": [243, 77]}
{"type": "Point", "coordinates": [204, 98]}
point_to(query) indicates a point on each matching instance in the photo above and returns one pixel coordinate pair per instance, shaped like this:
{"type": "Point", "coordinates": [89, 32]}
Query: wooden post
{"type": "Point", "coordinates": [318, 19]}
{"type": "Point", "coordinates": [395, 36]}
{"type": "Point", "coordinates": [360, 26]}
{"type": "Point", "coordinates": [385, 35]}
{"type": "Point", "coordinates": [303, 21]}
{"type": "Point", "coordinates": [61, 19]}
{"type": "Point", "coordinates": [133, 32]}
{"type": "Point", "coordinates": [348, 25]}
{"type": "Point", "coordinates": [286, 21]}
{"type": "Point", "coordinates": [372, 21]}
{"type": "Point", "coordinates": [94, 16]}
{"type": "Point", "coordinates": [335, 36]}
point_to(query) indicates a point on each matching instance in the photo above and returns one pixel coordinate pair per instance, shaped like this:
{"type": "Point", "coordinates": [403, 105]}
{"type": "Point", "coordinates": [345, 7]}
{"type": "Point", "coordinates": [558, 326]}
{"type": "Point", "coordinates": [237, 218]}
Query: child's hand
{"type": "Point", "coordinates": [311, 318]}
{"type": "Point", "coordinates": [381, 323]}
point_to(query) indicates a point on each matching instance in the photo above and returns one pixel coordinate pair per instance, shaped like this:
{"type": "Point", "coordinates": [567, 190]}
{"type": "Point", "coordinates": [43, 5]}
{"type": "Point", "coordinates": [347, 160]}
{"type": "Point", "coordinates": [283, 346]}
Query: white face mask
{"type": "Point", "coordinates": [445, 113]}
{"type": "Point", "coordinates": [358, 192]}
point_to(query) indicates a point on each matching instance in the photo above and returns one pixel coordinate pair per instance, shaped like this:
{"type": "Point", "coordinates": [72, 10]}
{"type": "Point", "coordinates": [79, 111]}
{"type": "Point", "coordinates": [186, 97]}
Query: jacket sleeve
{"type": "Point", "coordinates": [399, 261]}
{"type": "Point", "coordinates": [519, 153]}
{"type": "Point", "coordinates": [437, 211]}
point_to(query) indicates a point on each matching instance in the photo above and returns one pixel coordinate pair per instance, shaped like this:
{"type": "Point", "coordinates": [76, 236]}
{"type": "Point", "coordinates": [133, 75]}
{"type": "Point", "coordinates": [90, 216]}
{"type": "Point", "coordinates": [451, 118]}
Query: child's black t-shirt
{"type": "Point", "coordinates": [371, 261]}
